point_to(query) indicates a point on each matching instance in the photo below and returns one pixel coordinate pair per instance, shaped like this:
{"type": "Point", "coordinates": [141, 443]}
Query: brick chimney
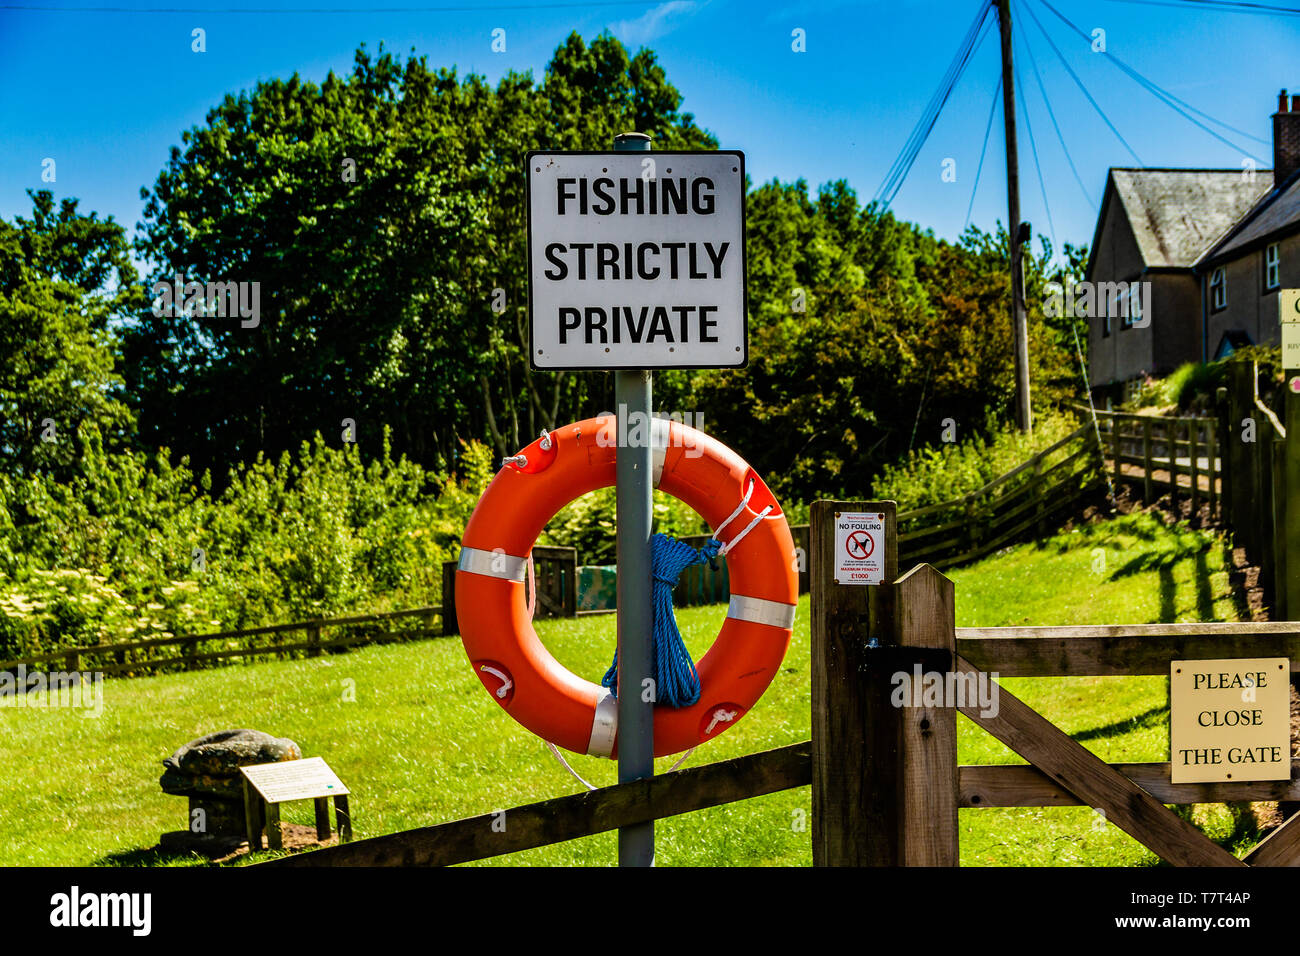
{"type": "Point", "coordinates": [1286, 138]}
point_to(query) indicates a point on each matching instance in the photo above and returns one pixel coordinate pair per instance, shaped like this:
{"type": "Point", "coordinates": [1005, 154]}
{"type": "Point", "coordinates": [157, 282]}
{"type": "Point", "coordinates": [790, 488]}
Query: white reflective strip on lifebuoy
{"type": "Point", "coordinates": [604, 727]}
{"type": "Point", "coordinates": [493, 564]}
{"type": "Point", "coordinates": [761, 611]}
{"type": "Point", "coordinates": [659, 446]}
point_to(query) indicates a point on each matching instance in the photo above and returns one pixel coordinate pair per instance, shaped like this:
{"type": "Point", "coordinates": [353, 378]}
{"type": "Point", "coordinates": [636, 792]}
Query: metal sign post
{"type": "Point", "coordinates": [634, 505]}
{"type": "Point", "coordinates": [636, 262]}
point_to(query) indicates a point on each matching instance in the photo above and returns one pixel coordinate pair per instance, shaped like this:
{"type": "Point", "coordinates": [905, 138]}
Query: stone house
{"type": "Point", "coordinates": [1215, 246]}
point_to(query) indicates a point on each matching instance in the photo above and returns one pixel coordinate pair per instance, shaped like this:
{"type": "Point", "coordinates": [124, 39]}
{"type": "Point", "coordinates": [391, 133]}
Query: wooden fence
{"type": "Point", "coordinates": [705, 584]}
{"type": "Point", "coordinates": [1179, 455]}
{"type": "Point", "coordinates": [886, 785]}
{"type": "Point", "coordinates": [1262, 476]}
{"type": "Point", "coordinates": [555, 575]}
{"type": "Point", "coordinates": [1029, 499]}
{"type": "Point", "coordinates": [195, 651]}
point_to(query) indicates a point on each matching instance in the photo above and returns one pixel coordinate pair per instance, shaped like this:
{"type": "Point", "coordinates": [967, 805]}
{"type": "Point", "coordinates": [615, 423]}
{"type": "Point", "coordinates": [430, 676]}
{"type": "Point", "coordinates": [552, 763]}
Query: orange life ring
{"type": "Point", "coordinates": [497, 630]}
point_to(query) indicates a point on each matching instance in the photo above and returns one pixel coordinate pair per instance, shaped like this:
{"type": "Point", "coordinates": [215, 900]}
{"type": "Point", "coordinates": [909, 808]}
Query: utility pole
{"type": "Point", "coordinates": [1019, 321]}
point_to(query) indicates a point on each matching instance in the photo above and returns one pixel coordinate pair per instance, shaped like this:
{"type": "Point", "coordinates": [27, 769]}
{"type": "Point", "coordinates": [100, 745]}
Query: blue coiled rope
{"type": "Point", "coordinates": [677, 683]}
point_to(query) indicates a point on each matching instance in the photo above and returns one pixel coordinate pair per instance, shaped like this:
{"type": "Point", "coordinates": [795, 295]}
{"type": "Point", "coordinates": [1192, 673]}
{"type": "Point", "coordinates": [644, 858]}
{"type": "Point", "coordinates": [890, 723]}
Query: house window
{"type": "Point", "coordinates": [1218, 290]}
{"type": "Point", "coordinates": [1135, 304]}
{"type": "Point", "coordinates": [1131, 305]}
{"type": "Point", "coordinates": [1272, 267]}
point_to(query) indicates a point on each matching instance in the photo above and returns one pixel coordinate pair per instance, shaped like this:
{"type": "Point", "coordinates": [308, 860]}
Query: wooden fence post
{"type": "Point", "coordinates": [1115, 435]}
{"type": "Point", "coordinates": [1224, 434]}
{"type": "Point", "coordinates": [1241, 474]}
{"type": "Point", "coordinates": [1146, 461]}
{"type": "Point", "coordinates": [1171, 453]}
{"type": "Point", "coordinates": [313, 638]}
{"type": "Point", "coordinates": [449, 624]}
{"type": "Point", "coordinates": [855, 731]}
{"type": "Point", "coordinates": [1289, 532]}
{"type": "Point", "coordinates": [1039, 496]}
{"type": "Point", "coordinates": [1265, 521]}
{"type": "Point", "coordinates": [1193, 451]}
{"type": "Point", "coordinates": [1283, 609]}
{"type": "Point", "coordinates": [569, 576]}
{"type": "Point", "coordinates": [801, 542]}
{"type": "Point", "coordinates": [1212, 466]}
{"type": "Point", "coordinates": [927, 823]}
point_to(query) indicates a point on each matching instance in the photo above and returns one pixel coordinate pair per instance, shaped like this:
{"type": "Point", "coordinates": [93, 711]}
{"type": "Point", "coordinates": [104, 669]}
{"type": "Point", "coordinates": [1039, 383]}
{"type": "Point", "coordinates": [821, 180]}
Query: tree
{"type": "Point", "coordinates": [65, 280]}
{"type": "Point", "coordinates": [383, 216]}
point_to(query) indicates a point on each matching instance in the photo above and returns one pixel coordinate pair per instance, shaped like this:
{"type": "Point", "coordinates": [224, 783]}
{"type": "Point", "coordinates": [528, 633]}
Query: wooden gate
{"type": "Point", "coordinates": [902, 809]}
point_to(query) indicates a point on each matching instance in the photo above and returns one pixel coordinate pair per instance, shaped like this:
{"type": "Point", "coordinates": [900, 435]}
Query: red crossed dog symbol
{"type": "Point", "coordinates": [860, 545]}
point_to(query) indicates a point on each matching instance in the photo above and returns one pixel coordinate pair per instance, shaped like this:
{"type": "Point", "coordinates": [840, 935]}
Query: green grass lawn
{"type": "Point", "coordinates": [417, 740]}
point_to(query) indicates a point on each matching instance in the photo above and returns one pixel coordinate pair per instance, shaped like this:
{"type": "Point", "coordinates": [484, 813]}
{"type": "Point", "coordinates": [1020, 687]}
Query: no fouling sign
{"type": "Point", "coordinates": [636, 260]}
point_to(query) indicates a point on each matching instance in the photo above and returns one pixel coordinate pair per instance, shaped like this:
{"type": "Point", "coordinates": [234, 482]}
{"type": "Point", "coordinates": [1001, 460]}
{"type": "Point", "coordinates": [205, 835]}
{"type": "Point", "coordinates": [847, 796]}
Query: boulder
{"type": "Point", "coordinates": [223, 753]}
{"type": "Point", "coordinates": [207, 771]}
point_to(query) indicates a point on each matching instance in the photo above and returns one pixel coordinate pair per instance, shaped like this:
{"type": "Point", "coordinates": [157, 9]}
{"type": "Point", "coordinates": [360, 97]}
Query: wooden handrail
{"type": "Point", "coordinates": [219, 635]}
{"type": "Point", "coordinates": [1111, 650]}
{"type": "Point", "coordinates": [1000, 479]}
{"type": "Point", "coordinates": [1103, 413]}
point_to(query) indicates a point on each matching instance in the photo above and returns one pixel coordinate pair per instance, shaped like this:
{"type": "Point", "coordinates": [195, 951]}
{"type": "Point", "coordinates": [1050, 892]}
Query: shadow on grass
{"type": "Point", "coordinates": [1204, 596]}
{"type": "Point", "coordinates": [154, 856]}
{"type": "Point", "coordinates": [1237, 583]}
{"type": "Point", "coordinates": [1168, 593]}
{"type": "Point", "coordinates": [1154, 717]}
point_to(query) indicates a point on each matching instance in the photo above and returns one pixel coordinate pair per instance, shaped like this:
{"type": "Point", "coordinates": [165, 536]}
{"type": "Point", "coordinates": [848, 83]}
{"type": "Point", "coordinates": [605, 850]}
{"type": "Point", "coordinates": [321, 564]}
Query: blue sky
{"type": "Point", "coordinates": [106, 94]}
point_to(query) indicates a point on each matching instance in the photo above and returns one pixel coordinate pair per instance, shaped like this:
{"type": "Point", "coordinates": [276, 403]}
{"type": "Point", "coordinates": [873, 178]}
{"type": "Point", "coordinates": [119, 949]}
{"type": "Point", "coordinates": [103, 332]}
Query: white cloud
{"type": "Point", "coordinates": [652, 24]}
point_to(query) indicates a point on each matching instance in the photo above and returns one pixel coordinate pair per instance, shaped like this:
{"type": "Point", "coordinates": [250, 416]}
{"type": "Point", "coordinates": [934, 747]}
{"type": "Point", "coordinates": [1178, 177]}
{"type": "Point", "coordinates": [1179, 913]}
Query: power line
{"type": "Point", "coordinates": [1151, 87]}
{"type": "Point", "coordinates": [1038, 77]}
{"type": "Point", "coordinates": [993, 108]}
{"type": "Point", "coordinates": [1229, 6]}
{"type": "Point", "coordinates": [920, 132]}
{"type": "Point", "coordinates": [1184, 103]}
{"type": "Point", "coordinates": [902, 164]}
{"type": "Point", "coordinates": [1079, 83]}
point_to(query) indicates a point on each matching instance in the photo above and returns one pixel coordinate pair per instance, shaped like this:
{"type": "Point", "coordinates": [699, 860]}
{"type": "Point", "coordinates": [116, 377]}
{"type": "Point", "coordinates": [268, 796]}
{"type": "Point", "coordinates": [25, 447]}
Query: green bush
{"type": "Point", "coordinates": [939, 473]}
{"type": "Point", "coordinates": [131, 548]}
{"type": "Point", "coordinates": [587, 523]}
{"type": "Point", "coordinates": [1190, 386]}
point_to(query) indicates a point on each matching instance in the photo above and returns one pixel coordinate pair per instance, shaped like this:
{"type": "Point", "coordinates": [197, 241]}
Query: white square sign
{"type": "Point", "coordinates": [1288, 306]}
{"type": "Point", "coordinates": [859, 548]}
{"type": "Point", "coordinates": [1291, 344]}
{"type": "Point", "coordinates": [1288, 303]}
{"type": "Point", "coordinates": [636, 260]}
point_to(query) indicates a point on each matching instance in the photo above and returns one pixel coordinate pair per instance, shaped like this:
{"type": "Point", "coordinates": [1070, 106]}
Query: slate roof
{"type": "Point", "coordinates": [1275, 212]}
{"type": "Point", "coordinates": [1177, 215]}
